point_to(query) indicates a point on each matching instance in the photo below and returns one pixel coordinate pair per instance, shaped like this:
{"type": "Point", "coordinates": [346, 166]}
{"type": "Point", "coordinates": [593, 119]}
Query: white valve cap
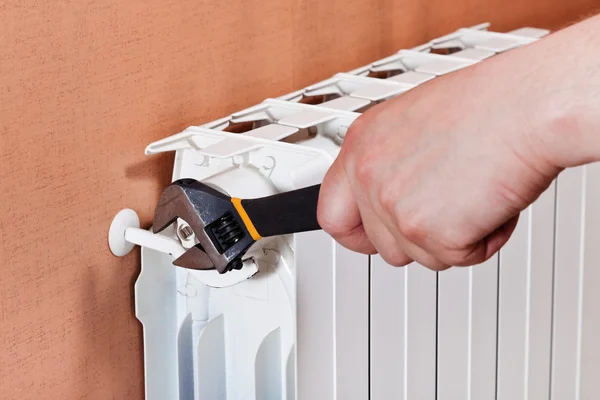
{"type": "Point", "coordinates": [126, 218]}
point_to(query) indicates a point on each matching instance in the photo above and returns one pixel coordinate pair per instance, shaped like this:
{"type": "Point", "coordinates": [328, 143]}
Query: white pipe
{"type": "Point", "coordinates": [160, 243]}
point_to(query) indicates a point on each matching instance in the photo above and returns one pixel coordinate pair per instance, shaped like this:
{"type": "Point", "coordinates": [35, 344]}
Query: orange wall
{"type": "Point", "coordinates": [85, 85]}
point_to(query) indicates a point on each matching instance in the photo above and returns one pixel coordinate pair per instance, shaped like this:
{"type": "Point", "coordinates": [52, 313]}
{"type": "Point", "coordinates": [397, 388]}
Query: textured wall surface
{"type": "Point", "coordinates": [85, 85]}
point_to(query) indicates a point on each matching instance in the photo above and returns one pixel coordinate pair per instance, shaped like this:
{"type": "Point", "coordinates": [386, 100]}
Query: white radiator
{"type": "Point", "coordinates": [307, 319]}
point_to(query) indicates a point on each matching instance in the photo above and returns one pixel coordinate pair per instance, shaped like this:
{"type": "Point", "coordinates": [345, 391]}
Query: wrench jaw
{"type": "Point", "coordinates": [194, 258]}
{"type": "Point", "coordinates": [221, 234]}
{"type": "Point", "coordinates": [172, 204]}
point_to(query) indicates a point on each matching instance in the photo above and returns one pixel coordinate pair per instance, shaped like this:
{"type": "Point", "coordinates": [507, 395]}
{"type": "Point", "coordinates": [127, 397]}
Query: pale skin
{"type": "Point", "coordinates": [440, 174]}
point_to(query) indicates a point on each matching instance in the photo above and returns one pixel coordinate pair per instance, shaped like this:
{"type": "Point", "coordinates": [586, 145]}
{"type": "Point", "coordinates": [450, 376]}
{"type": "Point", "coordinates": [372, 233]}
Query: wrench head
{"type": "Point", "coordinates": [222, 236]}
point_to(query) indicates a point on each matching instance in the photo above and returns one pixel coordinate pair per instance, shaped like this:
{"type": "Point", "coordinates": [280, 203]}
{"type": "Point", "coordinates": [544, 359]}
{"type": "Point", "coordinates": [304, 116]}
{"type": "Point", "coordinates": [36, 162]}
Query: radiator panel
{"type": "Point", "coordinates": [351, 324]}
{"type": "Point", "coordinates": [567, 279]}
{"type": "Point", "coordinates": [525, 301]}
{"type": "Point", "coordinates": [589, 325]}
{"type": "Point", "coordinates": [315, 321]}
{"type": "Point", "coordinates": [467, 332]}
{"type": "Point", "coordinates": [403, 331]}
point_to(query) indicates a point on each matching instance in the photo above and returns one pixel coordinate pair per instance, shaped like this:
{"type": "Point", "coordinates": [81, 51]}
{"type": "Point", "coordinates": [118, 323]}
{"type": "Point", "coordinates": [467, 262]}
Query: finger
{"type": "Point", "coordinates": [356, 240]}
{"type": "Point", "coordinates": [419, 254]}
{"type": "Point", "coordinates": [418, 244]}
{"type": "Point", "coordinates": [338, 213]}
{"type": "Point", "coordinates": [499, 237]}
{"type": "Point", "coordinates": [394, 247]}
{"type": "Point", "coordinates": [486, 248]}
{"type": "Point", "coordinates": [412, 250]}
{"type": "Point", "coordinates": [384, 242]}
{"type": "Point", "coordinates": [424, 258]}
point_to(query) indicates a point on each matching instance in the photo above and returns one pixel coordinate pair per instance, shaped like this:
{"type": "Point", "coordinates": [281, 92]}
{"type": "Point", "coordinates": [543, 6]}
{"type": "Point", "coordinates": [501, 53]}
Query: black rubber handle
{"type": "Point", "coordinates": [284, 213]}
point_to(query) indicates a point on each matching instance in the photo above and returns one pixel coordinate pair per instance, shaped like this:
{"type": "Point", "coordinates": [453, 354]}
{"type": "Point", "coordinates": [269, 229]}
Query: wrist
{"type": "Point", "coordinates": [566, 135]}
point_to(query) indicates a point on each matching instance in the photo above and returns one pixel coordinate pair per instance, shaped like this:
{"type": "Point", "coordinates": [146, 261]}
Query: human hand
{"type": "Point", "coordinates": [440, 174]}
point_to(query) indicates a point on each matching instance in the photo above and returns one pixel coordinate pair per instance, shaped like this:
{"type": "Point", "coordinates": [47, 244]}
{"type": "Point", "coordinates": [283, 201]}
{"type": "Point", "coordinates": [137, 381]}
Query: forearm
{"type": "Point", "coordinates": [566, 105]}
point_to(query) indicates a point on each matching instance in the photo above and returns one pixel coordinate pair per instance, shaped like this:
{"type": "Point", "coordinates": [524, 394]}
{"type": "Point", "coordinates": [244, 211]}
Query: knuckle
{"type": "Point", "coordinates": [355, 132]}
{"type": "Point", "coordinates": [440, 267]}
{"type": "Point", "coordinates": [468, 256]}
{"type": "Point", "coordinates": [388, 199]}
{"type": "Point", "coordinates": [436, 264]}
{"type": "Point", "coordinates": [352, 133]}
{"type": "Point", "coordinates": [412, 226]}
{"type": "Point", "coordinates": [358, 126]}
{"type": "Point", "coordinates": [453, 258]}
{"type": "Point", "coordinates": [395, 258]}
{"type": "Point", "coordinates": [457, 243]}
{"type": "Point", "coordinates": [365, 171]}
{"type": "Point", "coordinates": [358, 157]}
{"type": "Point", "coordinates": [330, 225]}
{"type": "Point", "coordinates": [433, 263]}
{"type": "Point", "coordinates": [325, 222]}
